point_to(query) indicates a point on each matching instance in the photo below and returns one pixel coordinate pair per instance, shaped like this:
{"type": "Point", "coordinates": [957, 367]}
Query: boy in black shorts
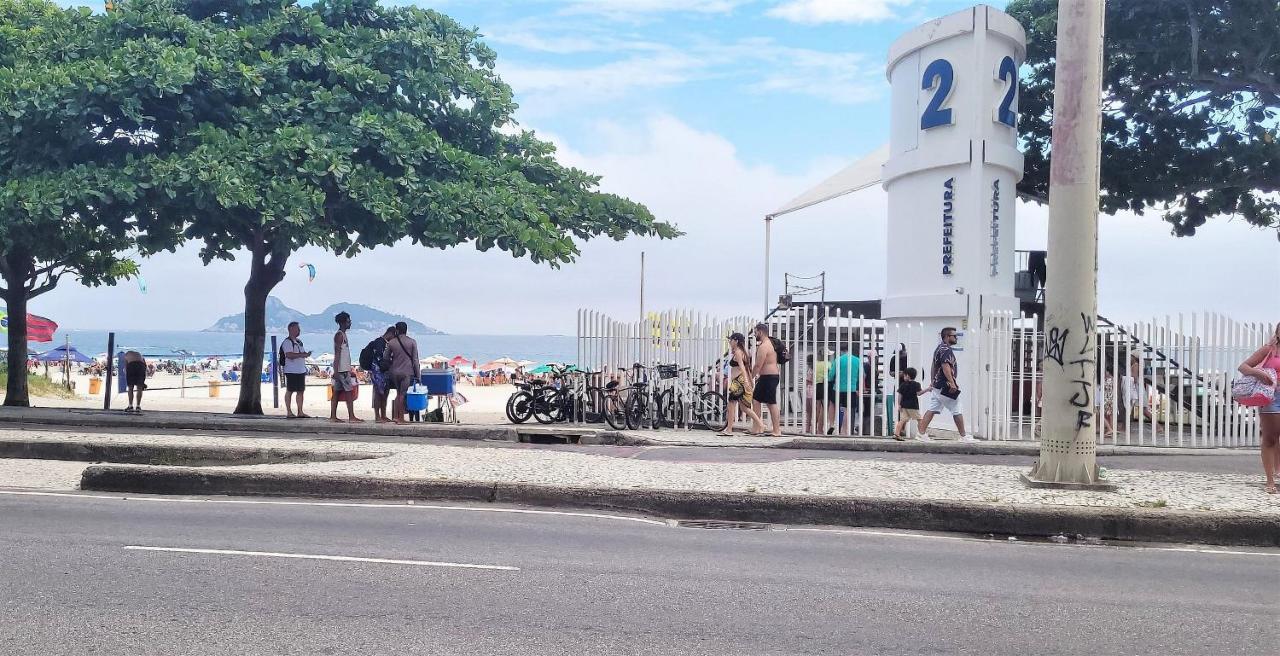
{"type": "Point", "coordinates": [908, 402]}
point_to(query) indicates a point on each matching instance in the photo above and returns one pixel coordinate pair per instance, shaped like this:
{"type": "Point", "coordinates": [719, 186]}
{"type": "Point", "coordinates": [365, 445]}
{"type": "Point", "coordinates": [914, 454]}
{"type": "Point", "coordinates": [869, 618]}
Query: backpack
{"type": "Point", "coordinates": [366, 356]}
{"type": "Point", "coordinates": [780, 349]}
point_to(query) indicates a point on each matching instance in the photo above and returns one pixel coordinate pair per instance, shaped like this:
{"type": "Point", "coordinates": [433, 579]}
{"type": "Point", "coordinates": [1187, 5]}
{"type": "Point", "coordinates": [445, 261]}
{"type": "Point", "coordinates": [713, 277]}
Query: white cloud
{"type": "Point", "coordinates": [622, 9]}
{"type": "Point", "coordinates": [813, 12]}
{"type": "Point", "coordinates": [758, 65]}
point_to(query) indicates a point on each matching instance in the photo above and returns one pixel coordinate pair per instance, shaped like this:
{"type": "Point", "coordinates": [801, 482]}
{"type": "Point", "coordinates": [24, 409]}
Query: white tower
{"type": "Point", "coordinates": [951, 179]}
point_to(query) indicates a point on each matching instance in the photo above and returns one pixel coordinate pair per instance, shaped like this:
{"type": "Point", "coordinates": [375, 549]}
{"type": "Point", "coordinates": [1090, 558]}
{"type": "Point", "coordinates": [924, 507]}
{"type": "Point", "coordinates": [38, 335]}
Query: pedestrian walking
{"type": "Point", "coordinates": [1263, 365]}
{"type": "Point", "coordinates": [741, 387]}
{"type": "Point", "coordinates": [373, 360]}
{"type": "Point", "coordinates": [404, 368]}
{"type": "Point", "coordinates": [135, 379]}
{"type": "Point", "coordinates": [345, 386]}
{"type": "Point", "coordinates": [293, 357]}
{"type": "Point", "coordinates": [843, 381]}
{"type": "Point", "coordinates": [946, 392]}
{"type": "Point", "coordinates": [907, 398]}
{"type": "Point", "coordinates": [768, 373]}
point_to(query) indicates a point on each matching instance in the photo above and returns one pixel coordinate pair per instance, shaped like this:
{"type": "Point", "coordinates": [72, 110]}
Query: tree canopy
{"type": "Point", "coordinates": [70, 168]}
{"type": "Point", "coordinates": [347, 125]}
{"type": "Point", "coordinates": [1191, 93]}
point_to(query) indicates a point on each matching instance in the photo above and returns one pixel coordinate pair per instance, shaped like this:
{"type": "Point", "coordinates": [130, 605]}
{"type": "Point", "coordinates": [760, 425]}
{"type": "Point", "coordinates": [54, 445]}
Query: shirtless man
{"type": "Point", "coordinates": [767, 376]}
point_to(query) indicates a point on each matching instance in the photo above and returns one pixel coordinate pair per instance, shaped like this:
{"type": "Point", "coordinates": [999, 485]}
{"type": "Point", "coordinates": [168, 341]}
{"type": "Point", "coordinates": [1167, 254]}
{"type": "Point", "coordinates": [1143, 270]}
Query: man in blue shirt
{"type": "Point", "coordinates": [843, 382]}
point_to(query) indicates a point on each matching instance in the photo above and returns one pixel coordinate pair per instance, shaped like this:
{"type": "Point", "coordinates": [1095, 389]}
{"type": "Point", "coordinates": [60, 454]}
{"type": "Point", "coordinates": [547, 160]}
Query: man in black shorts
{"type": "Point", "coordinates": [135, 377]}
{"type": "Point", "coordinates": [293, 360]}
{"type": "Point", "coordinates": [767, 377]}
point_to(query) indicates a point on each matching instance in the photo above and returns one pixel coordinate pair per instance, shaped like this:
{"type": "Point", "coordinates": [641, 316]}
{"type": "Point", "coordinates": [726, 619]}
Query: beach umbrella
{"type": "Point", "coordinates": [433, 360]}
{"type": "Point", "coordinates": [63, 353]}
{"type": "Point", "coordinates": [505, 362]}
{"type": "Point", "coordinates": [541, 369]}
{"type": "Point", "coordinates": [526, 363]}
{"type": "Point", "coordinates": [460, 361]}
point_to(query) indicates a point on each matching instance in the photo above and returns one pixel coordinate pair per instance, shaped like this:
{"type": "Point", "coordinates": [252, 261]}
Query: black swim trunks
{"type": "Point", "coordinates": [135, 374]}
{"type": "Point", "coordinates": [295, 382]}
{"type": "Point", "coordinates": [767, 389]}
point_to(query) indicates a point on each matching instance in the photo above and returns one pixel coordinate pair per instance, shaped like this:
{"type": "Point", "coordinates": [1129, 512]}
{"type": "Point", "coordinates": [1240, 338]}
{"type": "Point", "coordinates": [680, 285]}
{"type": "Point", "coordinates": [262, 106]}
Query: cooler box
{"type": "Point", "coordinates": [439, 382]}
{"type": "Point", "coordinates": [415, 399]}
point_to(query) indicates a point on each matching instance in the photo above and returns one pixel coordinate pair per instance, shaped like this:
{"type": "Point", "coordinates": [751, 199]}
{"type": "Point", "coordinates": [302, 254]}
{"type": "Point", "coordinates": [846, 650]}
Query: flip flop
{"type": "Point", "coordinates": [723, 434]}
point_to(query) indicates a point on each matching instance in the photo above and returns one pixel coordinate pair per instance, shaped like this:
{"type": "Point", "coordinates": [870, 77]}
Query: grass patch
{"type": "Point", "coordinates": [39, 385]}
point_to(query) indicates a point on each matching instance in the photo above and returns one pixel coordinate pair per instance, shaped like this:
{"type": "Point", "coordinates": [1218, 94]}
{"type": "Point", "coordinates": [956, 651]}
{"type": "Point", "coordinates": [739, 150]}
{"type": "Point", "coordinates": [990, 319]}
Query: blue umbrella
{"type": "Point", "coordinates": [63, 353]}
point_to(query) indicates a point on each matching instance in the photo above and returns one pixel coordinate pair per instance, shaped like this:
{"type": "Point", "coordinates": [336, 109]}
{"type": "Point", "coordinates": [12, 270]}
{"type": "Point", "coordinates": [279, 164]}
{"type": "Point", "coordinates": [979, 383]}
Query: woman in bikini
{"type": "Point", "coordinates": [1262, 365]}
{"type": "Point", "coordinates": [740, 387]}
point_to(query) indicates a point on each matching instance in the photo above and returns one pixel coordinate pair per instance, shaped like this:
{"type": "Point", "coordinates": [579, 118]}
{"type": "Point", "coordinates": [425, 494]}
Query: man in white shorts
{"type": "Point", "coordinates": [946, 393]}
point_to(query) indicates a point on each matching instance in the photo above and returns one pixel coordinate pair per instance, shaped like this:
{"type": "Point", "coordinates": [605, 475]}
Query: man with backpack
{"type": "Point", "coordinates": [770, 355]}
{"type": "Point", "coordinates": [373, 360]}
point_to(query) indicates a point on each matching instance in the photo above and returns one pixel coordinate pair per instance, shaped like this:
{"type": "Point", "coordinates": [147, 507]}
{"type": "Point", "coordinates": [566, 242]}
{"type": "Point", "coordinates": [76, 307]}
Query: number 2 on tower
{"type": "Point", "coordinates": [1008, 73]}
{"type": "Point", "coordinates": [941, 75]}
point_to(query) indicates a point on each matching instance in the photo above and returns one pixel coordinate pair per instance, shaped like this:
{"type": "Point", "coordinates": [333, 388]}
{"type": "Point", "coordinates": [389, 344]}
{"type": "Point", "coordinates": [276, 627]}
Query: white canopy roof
{"type": "Point", "coordinates": [859, 175]}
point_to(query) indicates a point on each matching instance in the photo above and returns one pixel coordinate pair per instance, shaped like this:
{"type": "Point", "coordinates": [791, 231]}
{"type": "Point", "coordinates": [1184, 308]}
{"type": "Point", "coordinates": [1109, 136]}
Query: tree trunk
{"type": "Point", "coordinates": [15, 297]}
{"type": "Point", "coordinates": [265, 273]}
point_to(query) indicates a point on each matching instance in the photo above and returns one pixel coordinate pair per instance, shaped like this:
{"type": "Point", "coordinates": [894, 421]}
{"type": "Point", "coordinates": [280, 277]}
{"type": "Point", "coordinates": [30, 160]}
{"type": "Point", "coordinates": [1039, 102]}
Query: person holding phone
{"type": "Point", "coordinates": [293, 357]}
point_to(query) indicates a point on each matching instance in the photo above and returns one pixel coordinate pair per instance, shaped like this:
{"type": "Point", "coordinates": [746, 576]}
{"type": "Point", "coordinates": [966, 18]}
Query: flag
{"type": "Point", "coordinates": [40, 329]}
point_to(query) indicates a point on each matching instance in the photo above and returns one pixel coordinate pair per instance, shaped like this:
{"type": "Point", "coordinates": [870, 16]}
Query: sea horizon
{"type": "Point", "coordinates": [170, 344]}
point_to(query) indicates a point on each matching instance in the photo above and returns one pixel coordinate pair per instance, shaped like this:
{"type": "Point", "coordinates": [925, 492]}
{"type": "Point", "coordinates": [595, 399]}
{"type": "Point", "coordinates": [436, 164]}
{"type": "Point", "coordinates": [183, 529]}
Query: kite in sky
{"type": "Point", "coordinates": [311, 271]}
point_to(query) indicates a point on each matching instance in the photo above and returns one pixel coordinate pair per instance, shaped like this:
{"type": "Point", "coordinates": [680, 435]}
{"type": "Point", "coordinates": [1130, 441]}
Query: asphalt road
{"type": "Point", "coordinates": [588, 585]}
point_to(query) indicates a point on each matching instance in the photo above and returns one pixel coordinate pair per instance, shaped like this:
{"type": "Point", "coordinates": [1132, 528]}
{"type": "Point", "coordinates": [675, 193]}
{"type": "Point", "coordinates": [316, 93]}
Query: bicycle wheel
{"type": "Point", "coordinates": [520, 407]}
{"type": "Point", "coordinates": [670, 410]}
{"type": "Point", "coordinates": [711, 411]}
{"type": "Point", "coordinates": [637, 409]}
{"type": "Point", "coordinates": [546, 406]}
{"type": "Point", "coordinates": [615, 412]}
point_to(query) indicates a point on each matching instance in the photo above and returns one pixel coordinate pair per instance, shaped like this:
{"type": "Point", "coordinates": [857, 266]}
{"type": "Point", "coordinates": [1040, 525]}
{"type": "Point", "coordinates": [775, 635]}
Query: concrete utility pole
{"type": "Point", "coordinates": [1068, 446]}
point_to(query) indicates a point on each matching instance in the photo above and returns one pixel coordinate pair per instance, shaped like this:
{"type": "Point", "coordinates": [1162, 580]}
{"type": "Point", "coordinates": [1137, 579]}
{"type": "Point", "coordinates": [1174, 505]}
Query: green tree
{"type": "Point", "coordinates": [70, 173]}
{"type": "Point", "coordinates": [348, 125]}
{"type": "Point", "coordinates": [1191, 91]}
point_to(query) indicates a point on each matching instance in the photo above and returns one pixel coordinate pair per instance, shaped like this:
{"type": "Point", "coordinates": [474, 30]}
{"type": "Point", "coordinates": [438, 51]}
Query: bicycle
{"type": "Point", "coordinates": [521, 403]}
{"type": "Point", "coordinates": [706, 407]}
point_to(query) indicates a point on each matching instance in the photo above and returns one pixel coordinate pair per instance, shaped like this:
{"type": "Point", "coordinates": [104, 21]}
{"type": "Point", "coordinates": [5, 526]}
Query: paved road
{"type": "Point", "coordinates": [588, 585]}
{"type": "Point", "coordinates": [1243, 461]}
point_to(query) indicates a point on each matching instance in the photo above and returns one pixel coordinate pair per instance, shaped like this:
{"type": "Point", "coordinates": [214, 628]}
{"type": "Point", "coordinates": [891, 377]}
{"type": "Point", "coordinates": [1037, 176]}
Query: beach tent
{"type": "Point", "coordinates": [64, 353]}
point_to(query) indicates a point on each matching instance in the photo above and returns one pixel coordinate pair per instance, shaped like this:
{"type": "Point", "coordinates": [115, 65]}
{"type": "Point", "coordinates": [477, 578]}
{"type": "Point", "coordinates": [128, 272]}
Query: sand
{"type": "Point", "coordinates": [485, 405]}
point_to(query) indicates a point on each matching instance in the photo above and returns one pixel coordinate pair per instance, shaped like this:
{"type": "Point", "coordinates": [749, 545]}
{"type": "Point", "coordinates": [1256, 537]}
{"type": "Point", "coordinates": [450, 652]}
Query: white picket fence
{"type": "Point", "coordinates": [1164, 382]}
{"type": "Point", "coordinates": [1177, 392]}
{"type": "Point", "coordinates": [609, 348]}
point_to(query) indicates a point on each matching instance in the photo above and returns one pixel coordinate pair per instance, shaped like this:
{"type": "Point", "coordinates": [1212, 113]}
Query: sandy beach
{"type": "Point", "coordinates": [485, 405]}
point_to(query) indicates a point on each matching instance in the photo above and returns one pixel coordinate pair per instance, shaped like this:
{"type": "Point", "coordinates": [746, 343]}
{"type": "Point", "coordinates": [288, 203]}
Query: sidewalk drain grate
{"type": "Point", "coordinates": [722, 525]}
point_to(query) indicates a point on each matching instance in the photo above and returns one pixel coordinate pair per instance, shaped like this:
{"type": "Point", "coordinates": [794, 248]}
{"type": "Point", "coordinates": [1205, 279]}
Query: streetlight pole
{"type": "Point", "coordinates": [1068, 443]}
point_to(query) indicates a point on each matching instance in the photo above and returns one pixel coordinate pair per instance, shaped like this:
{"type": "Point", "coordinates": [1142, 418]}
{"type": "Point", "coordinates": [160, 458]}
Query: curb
{"type": "Point", "coordinates": [107, 419]}
{"type": "Point", "coordinates": [1132, 524]}
{"type": "Point", "coordinates": [164, 454]}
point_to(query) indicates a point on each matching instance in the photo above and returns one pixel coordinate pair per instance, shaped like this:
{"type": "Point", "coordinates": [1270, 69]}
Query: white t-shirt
{"type": "Point", "coordinates": [294, 365]}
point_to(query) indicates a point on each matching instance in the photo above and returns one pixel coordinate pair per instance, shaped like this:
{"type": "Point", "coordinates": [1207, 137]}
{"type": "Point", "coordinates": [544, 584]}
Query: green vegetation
{"type": "Point", "coordinates": [1191, 95]}
{"type": "Point", "coordinates": [39, 385]}
{"type": "Point", "coordinates": [259, 127]}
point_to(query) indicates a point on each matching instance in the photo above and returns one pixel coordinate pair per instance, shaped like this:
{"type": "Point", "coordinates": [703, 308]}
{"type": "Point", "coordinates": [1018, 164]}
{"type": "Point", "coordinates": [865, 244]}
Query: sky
{"type": "Point", "coordinates": [712, 113]}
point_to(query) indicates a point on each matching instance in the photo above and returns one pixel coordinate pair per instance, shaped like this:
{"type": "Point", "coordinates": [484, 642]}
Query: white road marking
{"type": "Point", "coordinates": [340, 504]}
{"type": "Point", "coordinates": [640, 520]}
{"type": "Point", "coordinates": [347, 559]}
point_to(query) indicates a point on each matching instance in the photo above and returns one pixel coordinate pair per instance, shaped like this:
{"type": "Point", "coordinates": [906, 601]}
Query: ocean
{"type": "Point", "coordinates": [160, 344]}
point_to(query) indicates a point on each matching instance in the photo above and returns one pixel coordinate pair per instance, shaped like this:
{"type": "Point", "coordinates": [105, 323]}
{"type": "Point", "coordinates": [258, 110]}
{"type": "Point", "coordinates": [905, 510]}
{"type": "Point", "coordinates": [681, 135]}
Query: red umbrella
{"type": "Point", "coordinates": [458, 361]}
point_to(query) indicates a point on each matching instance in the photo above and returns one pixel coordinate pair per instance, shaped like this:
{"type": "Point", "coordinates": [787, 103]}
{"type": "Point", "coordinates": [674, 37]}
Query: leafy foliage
{"type": "Point", "coordinates": [70, 165]}
{"type": "Point", "coordinates": [1191, 94]}
{"type": "Point", "coordinates": [348, 125]}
